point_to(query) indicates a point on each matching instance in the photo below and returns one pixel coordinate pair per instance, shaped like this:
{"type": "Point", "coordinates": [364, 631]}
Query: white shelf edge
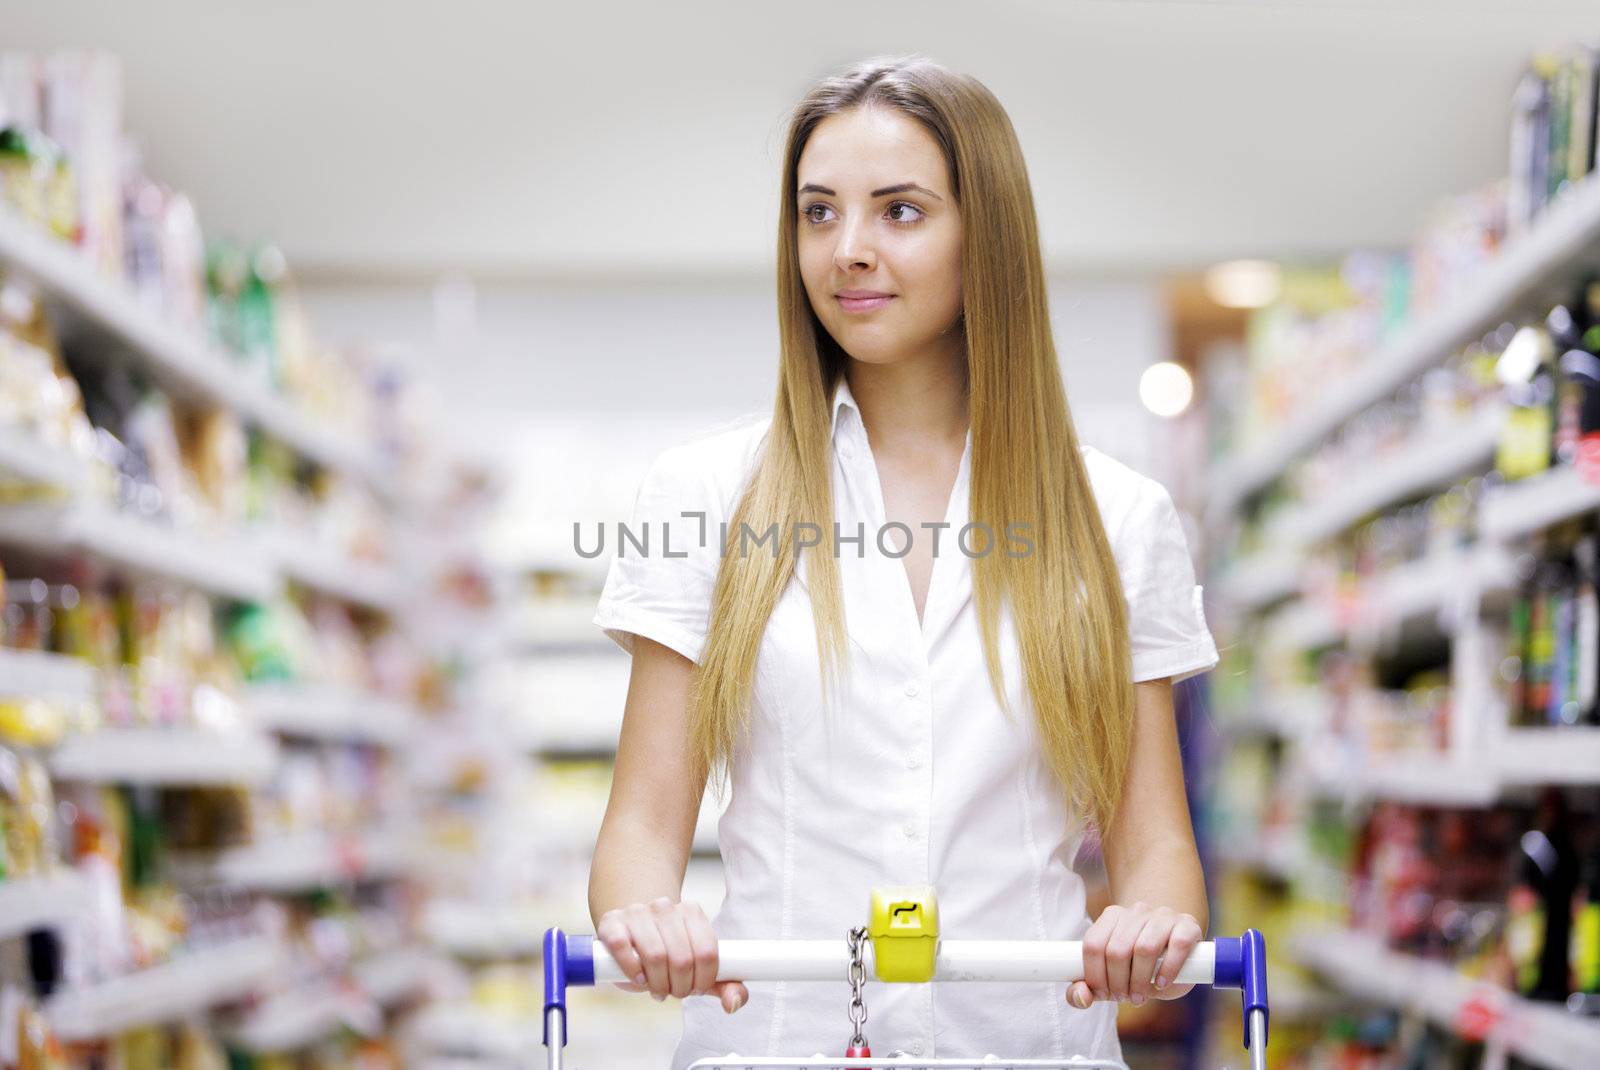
{"type": "Point", "coordinates": [36, 674]}
{"type": "Point", "coordinates": [1437, 456]}
{"type": "Point", "coordinates": [41, 902]}
{"type": "Point", "coordinates": [1528, 505]}
{"type": "Point", "coordinates": [178, 756]}
{"type": "Point", "coordinates": [1361, 965]}
{"type": "Point", "coordinates": [25, 457]}
{"type": "Point", "coordinates": [181, 363]}
{"type": "Point", "coordinates": [172, 991]}
{"type": "Point", "coordinates": [331, 713]}
{"type": "Point", "coordinates": [1557, 239]}
{"type": "Point", "coordinates": [299, 862]}
{"type": "Point", "coordinates": [222, 565]}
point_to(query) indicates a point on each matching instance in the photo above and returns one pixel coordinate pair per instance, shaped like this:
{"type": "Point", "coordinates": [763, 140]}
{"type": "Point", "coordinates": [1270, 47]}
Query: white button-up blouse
{"type": "Point", "coordinates": [922, 779]}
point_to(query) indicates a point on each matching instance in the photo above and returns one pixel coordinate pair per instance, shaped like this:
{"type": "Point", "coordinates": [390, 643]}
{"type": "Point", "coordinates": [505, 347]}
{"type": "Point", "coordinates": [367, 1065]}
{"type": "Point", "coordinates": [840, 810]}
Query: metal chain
{"type": "Point", "coordinates": [858, 975]}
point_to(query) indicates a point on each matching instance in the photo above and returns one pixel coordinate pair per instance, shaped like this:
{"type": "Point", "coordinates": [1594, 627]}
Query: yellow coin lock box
{"type": "Point", "coordinates": [904, 928]}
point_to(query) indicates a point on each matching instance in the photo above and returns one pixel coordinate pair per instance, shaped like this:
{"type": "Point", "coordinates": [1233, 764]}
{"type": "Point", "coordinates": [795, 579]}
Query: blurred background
{"type": "Point", "coordinates": [320, 326]}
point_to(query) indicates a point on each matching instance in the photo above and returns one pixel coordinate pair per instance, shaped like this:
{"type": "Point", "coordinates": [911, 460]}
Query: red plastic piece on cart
{"type": "Point", "coordinates": [853, 1052]}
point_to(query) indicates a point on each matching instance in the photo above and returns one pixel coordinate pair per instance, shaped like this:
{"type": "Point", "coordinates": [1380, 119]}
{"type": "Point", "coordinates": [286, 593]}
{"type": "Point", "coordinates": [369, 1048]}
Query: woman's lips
{"type": "Point", "coordinates": [864, 304]}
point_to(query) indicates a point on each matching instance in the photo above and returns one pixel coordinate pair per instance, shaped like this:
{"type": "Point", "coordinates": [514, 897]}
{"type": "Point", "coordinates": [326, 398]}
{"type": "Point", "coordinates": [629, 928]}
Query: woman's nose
{"type": "Point", "coordinates": [854, 248]}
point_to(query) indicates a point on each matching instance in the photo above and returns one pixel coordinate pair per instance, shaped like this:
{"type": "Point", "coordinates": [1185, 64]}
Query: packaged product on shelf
{"type": "Point", "coordinates": [1553, 130]}
{"type": "Point", "coordinates": [27, 802]}
{"type": "Point", "coordinates": [36, 181]}
{"type": "Point", "coordinates": [38, 395]}
{"type": "Point", "coordinates": [83, 114]}
{"type": "Point", "coordinates": [1583, 952]}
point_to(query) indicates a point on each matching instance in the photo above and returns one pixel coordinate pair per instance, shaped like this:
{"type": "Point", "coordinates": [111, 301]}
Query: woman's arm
{"type": "Point", "coordinates": [1152, 866]}
{"type": "Point", "coordinates": [636, 876]}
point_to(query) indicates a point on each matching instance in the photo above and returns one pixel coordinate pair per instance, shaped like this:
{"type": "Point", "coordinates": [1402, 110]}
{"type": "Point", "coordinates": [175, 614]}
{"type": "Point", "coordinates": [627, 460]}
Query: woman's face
{"type": "Point", "coordinates": [877, 217]}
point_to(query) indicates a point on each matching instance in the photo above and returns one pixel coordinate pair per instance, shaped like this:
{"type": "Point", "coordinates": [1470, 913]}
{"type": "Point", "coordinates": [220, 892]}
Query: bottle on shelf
{"type": "Point", "coordinates": [1539, 905]}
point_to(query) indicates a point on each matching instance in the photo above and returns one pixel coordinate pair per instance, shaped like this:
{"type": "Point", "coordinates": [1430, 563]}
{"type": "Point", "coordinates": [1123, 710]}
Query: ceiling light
{"type": "Point", "coordinates": [1166, 388]}
{"type": "Point", "coordinates": [1243, 283]}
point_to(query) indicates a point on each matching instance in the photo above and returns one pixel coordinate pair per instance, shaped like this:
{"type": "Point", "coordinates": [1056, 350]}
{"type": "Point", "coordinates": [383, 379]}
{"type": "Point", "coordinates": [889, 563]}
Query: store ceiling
{"type": "Point", "coordinates": [535, 141]}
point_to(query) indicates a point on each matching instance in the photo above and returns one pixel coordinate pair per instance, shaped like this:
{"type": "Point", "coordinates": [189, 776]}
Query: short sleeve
{"type": "Point", "coordinates": [660, 578]}
{"type": "Point", "coordinates": [1166, 614]}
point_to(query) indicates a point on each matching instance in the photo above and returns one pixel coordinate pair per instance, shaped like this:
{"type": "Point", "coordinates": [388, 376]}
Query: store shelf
{"type": "Point", "coordinates": [303, 1016]}
{"type": "Point", "coordinates": [463, 1029]}
{"type": "Point", "coordinates": [1532, 504]}
{"type": "Point", "coordinates": [1276, 855]}
{"type": "Point", "coordinates": [331, 713]}
{"type": "Point", "coordinates": [28, 903]}
{"type": "Point", "coordinates": [219, 565]}
{"type": "Point", "coordinates": [1533, 756]}
{"type": "Point", "coordinates": [1439, 456]}
{"type": "Point", "coordinates": [477, 930]}
{"type": "Point", "coordinates": [299, 863]}
{"type": "Point", "coordinates": [87, 305]}
{"type": "Point", "coordinates": [1516, 758]}
{"type": "Point", "coordinates": [321, 568]}
{"type": "Point", "coordinates": [1556, 253]}
{"type": "Point", "coordinates": [1261, 580]}
{"type": "Point", "coordinates": [24, 457]}
{"type": "Point", "coordinates": [169, 992]}
{"type": "Point", "coordinates": [35, 674]}
{"type": "Point", "coordinates": [389, 977]}
{"type": "Point", "coordinates": [1361, 965]}
{"type": "Point", "coordinates": [561, 623]}
{"type": "Point", "coordinates": [1417, 591]}
{"type": "Point", "coordinates": [1291, 715]}
{"type": "Point", "coordinates": [173, 756]}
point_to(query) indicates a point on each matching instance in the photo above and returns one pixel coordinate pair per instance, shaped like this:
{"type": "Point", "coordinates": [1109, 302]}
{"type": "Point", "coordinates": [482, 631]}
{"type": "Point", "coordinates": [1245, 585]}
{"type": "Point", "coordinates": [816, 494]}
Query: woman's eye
{"type": "Point", "coordinates": [906, 204]}
{"type": "Point", "coordinates": [810, 212]}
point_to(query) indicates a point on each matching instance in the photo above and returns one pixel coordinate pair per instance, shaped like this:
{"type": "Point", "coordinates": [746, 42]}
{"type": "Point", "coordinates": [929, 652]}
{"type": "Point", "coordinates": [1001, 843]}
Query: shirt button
{"type": "Point", "coordinates": [911, 691]}
{"type": "Point", "coordinates": [916, 1047]}
{"type": "Point", "coordinates": [913, 761]}
{"type": "Point", "coordinates": [910, 829]}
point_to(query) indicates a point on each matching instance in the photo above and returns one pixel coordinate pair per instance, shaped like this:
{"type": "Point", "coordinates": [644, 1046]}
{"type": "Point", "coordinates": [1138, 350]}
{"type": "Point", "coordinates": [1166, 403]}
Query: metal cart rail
{"type": "Point", "coordinates": [1226, 962]}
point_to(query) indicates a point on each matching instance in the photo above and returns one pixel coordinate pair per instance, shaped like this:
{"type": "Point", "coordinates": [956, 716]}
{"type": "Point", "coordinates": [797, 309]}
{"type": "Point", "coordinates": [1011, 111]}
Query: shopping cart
{"type": "Point", "coordinates": [902, 944]}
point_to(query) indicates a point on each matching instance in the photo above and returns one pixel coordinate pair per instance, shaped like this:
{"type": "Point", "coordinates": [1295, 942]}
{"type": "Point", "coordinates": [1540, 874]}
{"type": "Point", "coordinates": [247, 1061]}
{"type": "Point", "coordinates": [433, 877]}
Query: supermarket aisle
{"type": "Point", "coordinates": [306, 731]}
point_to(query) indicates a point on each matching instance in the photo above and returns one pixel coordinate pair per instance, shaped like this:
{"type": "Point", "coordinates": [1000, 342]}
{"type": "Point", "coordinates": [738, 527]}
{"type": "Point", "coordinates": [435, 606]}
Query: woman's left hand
{"type": "Point", "coordinates": [1124, 948]}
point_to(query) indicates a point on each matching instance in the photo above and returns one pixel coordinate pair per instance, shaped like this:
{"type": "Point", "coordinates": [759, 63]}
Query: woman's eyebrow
{"type": "Point", "coordinates": [904, 187]}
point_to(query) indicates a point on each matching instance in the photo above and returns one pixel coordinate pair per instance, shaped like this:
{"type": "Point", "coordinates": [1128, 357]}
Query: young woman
{"type": "Point", "coordinates": [928, 636]}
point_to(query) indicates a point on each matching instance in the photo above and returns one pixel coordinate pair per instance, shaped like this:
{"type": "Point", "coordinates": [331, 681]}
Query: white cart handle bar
{"type": "Point", "coordinates": [1226, 962]}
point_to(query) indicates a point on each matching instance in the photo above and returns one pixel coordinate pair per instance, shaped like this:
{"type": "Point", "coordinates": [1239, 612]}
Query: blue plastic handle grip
{"type": "Point", "coordinates": [568, 960]}
{"type": "Point", "coordinates": [1242, 964]}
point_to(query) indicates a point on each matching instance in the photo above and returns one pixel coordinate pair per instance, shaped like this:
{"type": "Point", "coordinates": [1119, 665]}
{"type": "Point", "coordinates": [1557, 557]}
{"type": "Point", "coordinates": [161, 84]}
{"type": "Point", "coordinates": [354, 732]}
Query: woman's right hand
{"type": "Point", "coordinates": [669, 949]}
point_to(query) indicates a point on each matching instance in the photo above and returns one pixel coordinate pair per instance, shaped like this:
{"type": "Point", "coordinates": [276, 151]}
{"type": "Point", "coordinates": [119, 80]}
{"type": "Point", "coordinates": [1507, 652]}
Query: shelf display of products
{"type": "Point", "coordinates": [67, 167]}
{"type": "Point", "coordinates": [1406, 710]}
{"type": "Point", "coordinates": [211, 667]}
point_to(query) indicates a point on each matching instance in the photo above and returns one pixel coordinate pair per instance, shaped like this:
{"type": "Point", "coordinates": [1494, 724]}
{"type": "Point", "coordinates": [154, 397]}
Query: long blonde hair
{"type": "Point", "coordinates": [1066, 596]}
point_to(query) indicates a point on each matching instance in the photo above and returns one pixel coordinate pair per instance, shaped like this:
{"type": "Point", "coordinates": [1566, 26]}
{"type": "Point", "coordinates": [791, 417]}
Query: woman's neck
{"type": "Point", "coordinates": [912, 405]}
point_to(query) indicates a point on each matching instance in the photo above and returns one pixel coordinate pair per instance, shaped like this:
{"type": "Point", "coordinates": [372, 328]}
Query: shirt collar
{"type": "Point", "coordinates": [842, 398]}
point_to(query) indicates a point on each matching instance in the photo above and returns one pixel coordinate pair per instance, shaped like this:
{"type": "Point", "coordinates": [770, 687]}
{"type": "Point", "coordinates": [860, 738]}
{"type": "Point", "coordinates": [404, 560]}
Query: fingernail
{"type": "Point", "coordinates": [639, 978]}
{"type": "Point", "coordinates": [658, 997]}
{"type": "Point", "coordinates": [1138, 1000]}
{"type": "Point", "coordinates": [1078, 999]}
{"type": "Point", "coordinates": [1161, 982]}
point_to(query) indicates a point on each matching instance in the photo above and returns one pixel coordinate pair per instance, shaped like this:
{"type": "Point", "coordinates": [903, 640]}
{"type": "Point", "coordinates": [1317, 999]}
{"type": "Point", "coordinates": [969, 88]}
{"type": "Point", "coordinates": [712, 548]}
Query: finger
{"type": "Point", "coordinates": [1094, 951]}
{"type": "Point", "coordinates": [680, 958]}
{"type": "Point", "coordinates": [732, 994]}
{"type": "Point", "coordinates": [1079, 995]}
{"type": "Point", "coordinates": [613, 934]}
{"type": "Point", "coordinates": [1119, 950]}
{"type": "Point", "coordinates": [1148, 946]}
{"type": "Point", "coordinates": [702, 945]}
{"type": "Point", "coordinates": [652, 949]}
{"type": "Point", "coordinates": [1186, 935]}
